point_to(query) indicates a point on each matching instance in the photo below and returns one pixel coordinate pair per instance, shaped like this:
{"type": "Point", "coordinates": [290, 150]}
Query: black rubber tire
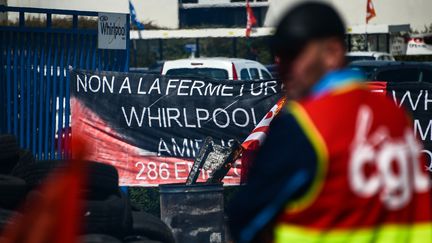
{"type": "Point", "coordinates": [103, 181]}
{"type": "Point", "coordinates": [110, 216]}
{"type": "Point", "coordinates": [8, 153]}
{"type": "Point", "coordinates": [12, 191]}
{"type": "Point", "coordinates": [34, 174]}
{"type": "Point", "coordinates": [25, 158]}
{"type": "Point", "coordinates": [98, 238]}
{"type": "Point", "coordinates": [151, 227]}
{"type": "Point", "coordinates": [7, 217]}
{"type": "Point", "coordinates": [139, 239]}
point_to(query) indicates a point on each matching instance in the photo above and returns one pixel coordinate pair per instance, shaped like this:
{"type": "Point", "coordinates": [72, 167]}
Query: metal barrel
{"type": "Point", "coordinates": [195, 213]}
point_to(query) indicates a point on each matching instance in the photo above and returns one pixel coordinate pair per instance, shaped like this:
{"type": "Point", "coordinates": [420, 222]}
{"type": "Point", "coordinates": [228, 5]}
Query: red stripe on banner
{"type": "Point", "coordinates": [379, 87]}
{"type": "Point", "coordinates": [136, 166]}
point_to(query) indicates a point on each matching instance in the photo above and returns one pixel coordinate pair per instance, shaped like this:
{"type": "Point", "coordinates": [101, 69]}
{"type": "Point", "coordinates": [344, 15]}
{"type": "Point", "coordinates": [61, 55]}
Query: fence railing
{"type": "Point", "coordinates": [34, 77]}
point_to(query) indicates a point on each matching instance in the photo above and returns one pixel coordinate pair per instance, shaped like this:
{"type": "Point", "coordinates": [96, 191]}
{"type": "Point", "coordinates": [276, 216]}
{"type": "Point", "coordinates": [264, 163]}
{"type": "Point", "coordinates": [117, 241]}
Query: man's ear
{"type": "Point", "coordinates": [334, 57]}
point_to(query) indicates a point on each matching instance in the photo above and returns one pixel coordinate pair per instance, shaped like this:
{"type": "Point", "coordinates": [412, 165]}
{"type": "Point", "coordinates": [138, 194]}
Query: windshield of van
{"type": "Point", "coordinates": [215, 73]}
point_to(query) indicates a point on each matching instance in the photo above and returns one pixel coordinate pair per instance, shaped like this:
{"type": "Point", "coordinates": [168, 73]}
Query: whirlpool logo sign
{"type": "Point", "coordinates": [112, 31]}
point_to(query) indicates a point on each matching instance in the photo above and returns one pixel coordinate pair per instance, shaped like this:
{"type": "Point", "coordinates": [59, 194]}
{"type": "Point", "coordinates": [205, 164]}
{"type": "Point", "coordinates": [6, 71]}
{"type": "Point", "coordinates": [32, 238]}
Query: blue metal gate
{"type": "Point", "coordinates": [34, 77]}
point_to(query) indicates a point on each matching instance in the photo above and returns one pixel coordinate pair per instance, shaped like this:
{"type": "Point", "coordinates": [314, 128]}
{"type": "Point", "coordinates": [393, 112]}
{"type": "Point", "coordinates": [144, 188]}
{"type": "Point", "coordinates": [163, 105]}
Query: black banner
{"type": "Point", "coordinates": [163, 117]}
{"type": "Point", "coordinates": [416, 98]}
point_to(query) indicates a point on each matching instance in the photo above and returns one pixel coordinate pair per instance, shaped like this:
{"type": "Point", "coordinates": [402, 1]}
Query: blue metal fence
{"type": "Point", "coordinates": [34, 77]}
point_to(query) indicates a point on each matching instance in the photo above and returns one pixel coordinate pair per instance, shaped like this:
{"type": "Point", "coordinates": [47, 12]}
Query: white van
{"type": "Point", "coordinates": [368, 56]}
{"type": "Point", "coordinates": [217, 68]}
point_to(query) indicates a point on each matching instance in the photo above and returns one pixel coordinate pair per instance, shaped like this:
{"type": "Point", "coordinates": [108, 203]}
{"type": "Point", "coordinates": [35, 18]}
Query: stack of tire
{"type": "Point", "coordinates": [12, 189]}
{"type": "Point", "coordinates": [108, 215]}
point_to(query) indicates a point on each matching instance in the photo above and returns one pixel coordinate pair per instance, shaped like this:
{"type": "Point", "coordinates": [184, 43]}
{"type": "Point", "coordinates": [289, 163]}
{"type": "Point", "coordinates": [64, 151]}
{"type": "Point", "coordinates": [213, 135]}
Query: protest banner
{"type": "Point", "coordinates": [150, 127]}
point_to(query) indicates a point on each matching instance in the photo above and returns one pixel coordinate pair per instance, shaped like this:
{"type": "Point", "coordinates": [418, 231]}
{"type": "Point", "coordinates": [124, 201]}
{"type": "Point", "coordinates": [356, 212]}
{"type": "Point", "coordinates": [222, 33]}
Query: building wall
{"type": "Point", "coordinates": [115, 6]}
{"type": "Point", "coordinates": [413, 12]}
{"type": "Point", "coordinates": [112, 6]}
{"type": "Point", "coordinates": [3, 16]}
{"type": "Point", "coordinates": [163, 13]}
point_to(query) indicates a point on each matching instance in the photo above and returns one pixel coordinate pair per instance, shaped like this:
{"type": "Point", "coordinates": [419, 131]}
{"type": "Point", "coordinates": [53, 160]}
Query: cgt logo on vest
{"type": "Point", "coordinates": [397, 171]}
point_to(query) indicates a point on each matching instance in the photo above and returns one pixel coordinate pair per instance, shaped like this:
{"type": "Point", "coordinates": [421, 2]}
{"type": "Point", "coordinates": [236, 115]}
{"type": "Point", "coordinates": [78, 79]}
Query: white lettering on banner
{"type": "Point", "coordinates": [427, 100]}
{"type": "Point", "coordinates": [106, 84]}
{"type": "Point", "coordinates": [216, 113]}
{"type": "Point", "coordinates": [190, 118]}
{"type": "Point", "coordinates": [270, 85]}
{"type": "Point", "coordinates": [163, 148]}
{"type": "Point", "coordinates": [169, 86]}
{"type": "Point", "coordinates": [98, 83]}
{"type": "Point", "coordinates": [414, 102]}
{"type": "Point", "coordinates": [178, 171]}
{"type": "Point", "coordinates": [155, 85]}
{"type": "Point", "coordinates": [155, 172]}
{"type": "Point", "coordinates": [133, 113]}
{"type": "Point", "coordinates": [157, 118]}
{"type": "Point", "coordinates": [94, 84]}
{"type": "Point", "coordinates": [202, 118]}
{"type": "Point", "coordinates": [81, 83]}
{"type": "Point", "coordinates": [139, 87]}
{"type": "Point", "coordinates": [425, 134]}
{"type": "Point", "coordinates": [185, 147]}
{"type": "Point", "coordinates": [179, 87]}
{"type": "Point", "coordinates": [254, 89]}
{"type": "Point", "coordinates": [246, 117]}
{"type": "Point", "coordinates": [381, 151]}
{"type": "Point", "coordinates": [184, 151]}
{"type": "Point", "coordinates": [152, 171]}
{"type": "Point", "coordinates": [175, 118]}
{"type": "Point", "coordinates": [197, 85]}
{"type": "Point", "coordinates": [125, 85]}
{"type": "Point", "coordinates": [225, 92]}
{"type": "Point", "coordinates": [429, 158]}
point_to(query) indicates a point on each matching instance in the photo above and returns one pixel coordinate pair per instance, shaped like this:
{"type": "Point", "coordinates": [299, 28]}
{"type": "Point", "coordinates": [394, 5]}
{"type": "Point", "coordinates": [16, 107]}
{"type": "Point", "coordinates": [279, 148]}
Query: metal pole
{"type": "Point", "coordinates": [161, 56]}
{"type": "Point", "coordinates": [197, 53]}
{"type": "Point", "coordinates": [234, 47]}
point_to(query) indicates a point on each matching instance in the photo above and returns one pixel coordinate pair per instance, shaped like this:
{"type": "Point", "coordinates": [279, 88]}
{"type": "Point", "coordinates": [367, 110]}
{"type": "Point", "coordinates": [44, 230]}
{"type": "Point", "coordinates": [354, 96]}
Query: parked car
{"type": "Point", "coordinates": [368, 56]}
{"type": "Point", "coordinates": [395, 71]}
{"type": "Point", "coordinates": [273, 69]}
{"type": "Point", "coordinates": [217, 68]}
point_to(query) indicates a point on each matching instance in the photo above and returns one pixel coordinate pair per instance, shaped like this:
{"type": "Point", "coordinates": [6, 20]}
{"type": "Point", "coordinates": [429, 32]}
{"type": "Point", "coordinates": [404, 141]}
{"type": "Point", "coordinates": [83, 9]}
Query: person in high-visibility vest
{"type": "Point", "coordinates": [340, 164]}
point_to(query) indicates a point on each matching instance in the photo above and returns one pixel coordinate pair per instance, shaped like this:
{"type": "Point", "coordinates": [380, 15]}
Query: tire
{"type": "Point", "coordinates": [26, 158]}
{"type": "Point", "coordinates": [147, 225]}
{"type": "Point", "coordinates": [34, 174]}
{"type": "Point", "coordinates": [98, 238]}
{"type": "Point", "coordinates": [139, 239]}
{"type": "Point", "coordinates": [103, 181]}
{"type": "Point", "coordinates": [7, 217]}
{"type": "Point", "coordinates": [13, 191]}
{"type": "Point", "coordinates": [110, 216]}
{"type": "Point", "coordinates": [8, 153]}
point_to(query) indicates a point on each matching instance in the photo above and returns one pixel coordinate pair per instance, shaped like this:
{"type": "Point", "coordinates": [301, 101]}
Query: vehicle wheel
{"type": "Point", "coordinates": [8, 153]}
{"type": "Point", "coordinates": [152, 227]}
{"type": "Point", "coordinates": [110, 216]}
{"type": "Point", "coordinates": [12, 191]}
{"type": "Point", "coordinates": [98, 238]}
